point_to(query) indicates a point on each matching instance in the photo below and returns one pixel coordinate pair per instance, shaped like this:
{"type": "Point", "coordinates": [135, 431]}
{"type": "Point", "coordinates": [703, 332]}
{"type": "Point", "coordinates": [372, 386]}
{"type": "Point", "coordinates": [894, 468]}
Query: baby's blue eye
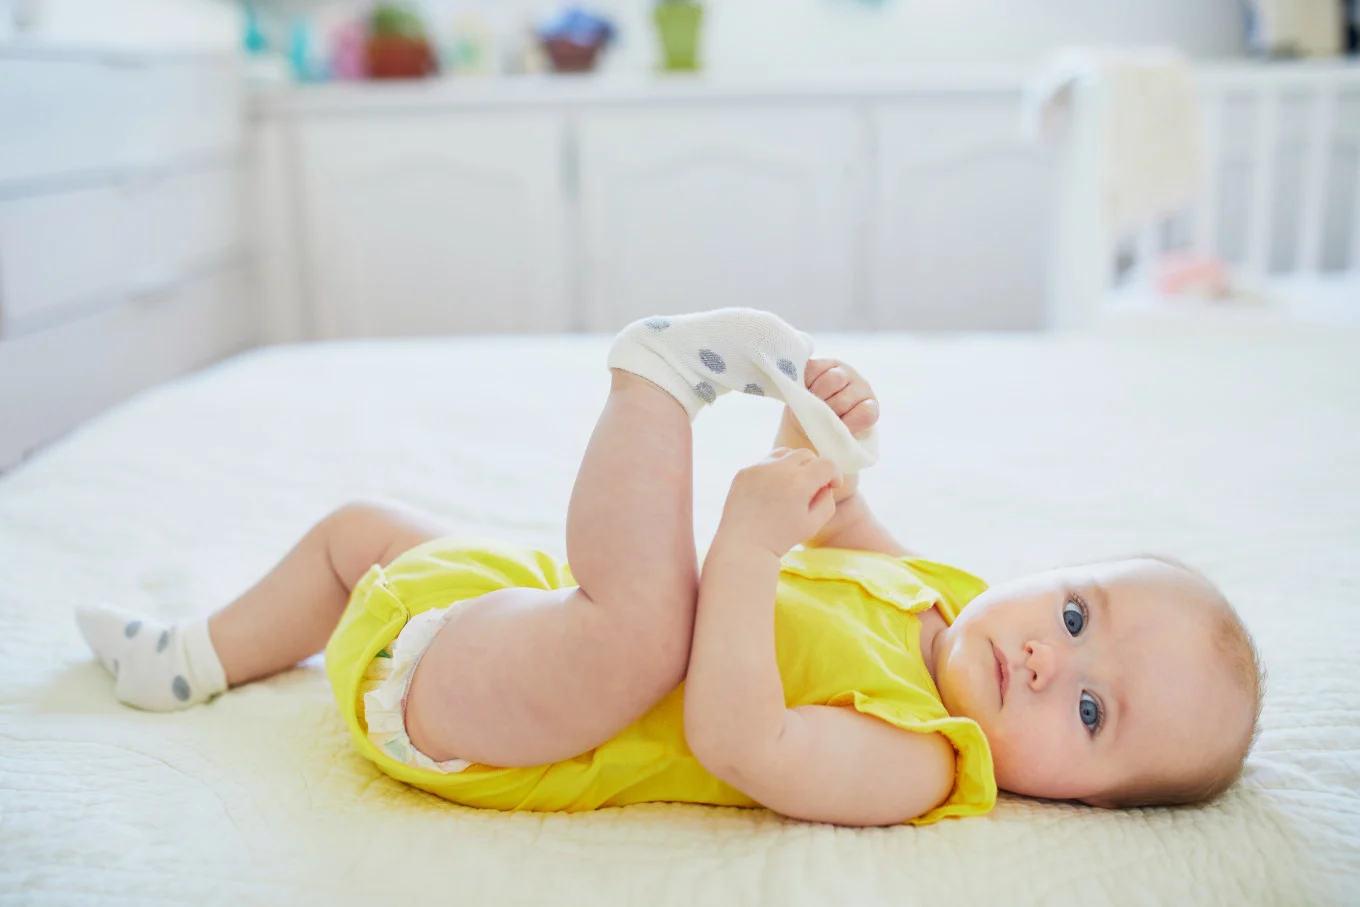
{"type": "Point", "coordinates": [1089, 710]}
{"type": "Point", "coordinates": [1074, 616]}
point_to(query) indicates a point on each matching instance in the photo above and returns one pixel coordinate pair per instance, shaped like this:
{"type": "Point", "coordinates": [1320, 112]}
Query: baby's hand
{"type": "Point", "coordinates": [845, 391]}
{"type": "Point", "coordinates": [782, 500]}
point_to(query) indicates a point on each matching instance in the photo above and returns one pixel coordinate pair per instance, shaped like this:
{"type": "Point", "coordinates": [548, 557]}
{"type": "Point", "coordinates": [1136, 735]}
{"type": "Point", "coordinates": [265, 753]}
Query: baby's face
{"type": "Point", "coordinates": [1088, 677]}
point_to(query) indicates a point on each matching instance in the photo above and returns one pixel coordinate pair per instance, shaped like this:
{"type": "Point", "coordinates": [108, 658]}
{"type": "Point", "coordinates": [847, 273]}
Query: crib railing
{"type": "Point", "coordinates": [1302, 151]}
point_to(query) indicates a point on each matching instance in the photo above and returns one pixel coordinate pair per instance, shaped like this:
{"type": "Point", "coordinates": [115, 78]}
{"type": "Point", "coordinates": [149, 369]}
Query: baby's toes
{"type": "Point", "coordinates": [862, 417]}
{"type": "Point", "coordinates": [829, 383]}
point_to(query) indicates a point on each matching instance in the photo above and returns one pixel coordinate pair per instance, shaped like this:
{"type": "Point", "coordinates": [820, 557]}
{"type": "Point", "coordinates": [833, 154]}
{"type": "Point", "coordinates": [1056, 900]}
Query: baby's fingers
{"type": "Point", "coordinates": [822, 472]}
{"type": "Point", "coordinates": [822, 507]}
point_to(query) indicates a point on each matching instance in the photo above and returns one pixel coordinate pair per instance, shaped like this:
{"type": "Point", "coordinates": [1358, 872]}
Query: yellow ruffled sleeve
{"type": "Point", "coordinates": [974, 790]}
{"type": "Point", "coordinates": [956, 587]}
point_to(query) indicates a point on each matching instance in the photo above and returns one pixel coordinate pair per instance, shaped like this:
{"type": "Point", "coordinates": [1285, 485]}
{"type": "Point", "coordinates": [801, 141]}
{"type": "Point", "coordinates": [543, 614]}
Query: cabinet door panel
{"type": "Point", "coordinates": [693, 209]}
{"type": "Point", "coordinates": [427, 225]}
{"type": "Point", "coordinates": [960, 218]}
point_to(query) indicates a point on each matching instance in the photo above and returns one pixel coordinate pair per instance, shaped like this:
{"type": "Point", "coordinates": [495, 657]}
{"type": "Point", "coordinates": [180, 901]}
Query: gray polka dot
{"type": "Point", "coordinates": [115, 667]}
{"type": "Point", "coordinates": [180, 688]}
{"type": "Point", "coordinates": [131, 629]}
{"type": "Point", "coordinates": [713, 361]}
{"type": "Point", "coordinates": [657, 324]}
{"type": "Point", "coordinates": [705, 390]}
{"type": "Point", "coordinates": [788, 368]}
{"type": "Point", "coordinates": [754, 390]}
{"type": "Point", "coordinates": [163, 641]}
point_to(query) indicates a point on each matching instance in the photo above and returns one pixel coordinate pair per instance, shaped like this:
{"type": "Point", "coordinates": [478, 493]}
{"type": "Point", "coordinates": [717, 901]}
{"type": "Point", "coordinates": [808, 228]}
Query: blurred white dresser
{"type": "Point", "coordinates": [580, 204]}
{"type": "Point", "coordinates": [903, 201]}
{"type": "Point", "coordinates": [122, 256]}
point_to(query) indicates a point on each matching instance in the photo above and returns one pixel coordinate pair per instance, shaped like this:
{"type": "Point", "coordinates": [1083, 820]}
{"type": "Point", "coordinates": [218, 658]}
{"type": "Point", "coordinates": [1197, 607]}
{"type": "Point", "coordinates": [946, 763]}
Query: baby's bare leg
{"type": "Point", "coordinates": [630, 523]}
{"type": "Point", "coordinates": [527, 676]}
{"type": "Point", "coordinates": [283, 619]}
{"type": "Point", "coordinates": [289, 615]}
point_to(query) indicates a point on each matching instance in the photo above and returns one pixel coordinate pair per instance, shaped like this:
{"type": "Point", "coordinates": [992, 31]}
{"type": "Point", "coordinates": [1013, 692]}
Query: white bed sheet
{"type": "Point", "coordinates": [1002, 454]}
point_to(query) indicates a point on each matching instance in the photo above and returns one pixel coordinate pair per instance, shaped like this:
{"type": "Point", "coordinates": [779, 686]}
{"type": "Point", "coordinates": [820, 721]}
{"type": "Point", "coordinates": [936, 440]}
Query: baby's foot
{"type": "Point", "coordinates": [696, 358]}
{"type": "Point", "coordinates": [157, 667]}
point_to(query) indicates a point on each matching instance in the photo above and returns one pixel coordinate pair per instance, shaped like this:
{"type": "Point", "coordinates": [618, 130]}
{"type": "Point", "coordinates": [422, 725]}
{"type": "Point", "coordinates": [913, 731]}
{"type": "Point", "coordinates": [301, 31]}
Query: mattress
{"type": "Point", "coordinates": [1238, 451]}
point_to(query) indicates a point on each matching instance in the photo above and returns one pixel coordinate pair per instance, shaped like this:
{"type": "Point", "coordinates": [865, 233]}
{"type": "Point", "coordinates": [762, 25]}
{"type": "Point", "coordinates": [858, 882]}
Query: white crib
{"type": "Point", "coordinates": [1294, 254]}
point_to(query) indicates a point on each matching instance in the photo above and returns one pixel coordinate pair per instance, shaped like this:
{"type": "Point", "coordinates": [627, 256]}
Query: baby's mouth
{"type": "Point", "coordinates": [1003, 673]}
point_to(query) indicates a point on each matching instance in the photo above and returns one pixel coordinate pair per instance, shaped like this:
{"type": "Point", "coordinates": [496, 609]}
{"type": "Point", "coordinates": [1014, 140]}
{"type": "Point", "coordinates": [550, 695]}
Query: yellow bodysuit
{"type": "Point", "coordinates": [846, 634]}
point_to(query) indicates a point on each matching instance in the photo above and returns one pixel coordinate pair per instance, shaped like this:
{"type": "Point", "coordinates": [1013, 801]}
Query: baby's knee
{"type": "Point", "coordinates": [661, 654]}
{"type": "Point", "coordinates": [374, 526]}
{"type": "Point", "coordinates": [361, 514]}
{"type": "Point", "coordinates": [363, 533]}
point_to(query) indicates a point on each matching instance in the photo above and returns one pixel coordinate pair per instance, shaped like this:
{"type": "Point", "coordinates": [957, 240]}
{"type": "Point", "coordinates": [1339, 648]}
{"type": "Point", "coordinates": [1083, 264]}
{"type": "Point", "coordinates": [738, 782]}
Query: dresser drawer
{"type": "Point", "coordinates": [62, 116]}
{"type": "Point", "coordinates": [58, 116]}
{"type": "Point", "coordinates": [55, 379]}
{"type": "Point", "coordinates": [62, 251]}
{"type": "Point", "coordinates": [67, 253]}
{"type": "Point", "coordinates": [183, 223]}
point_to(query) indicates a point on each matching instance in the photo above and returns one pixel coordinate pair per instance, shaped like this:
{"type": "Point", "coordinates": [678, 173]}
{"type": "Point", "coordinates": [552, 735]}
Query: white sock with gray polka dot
{"type": "Point", "coordinates": [157, 667]}
{"type": "Point", "coordinates": [696, 358]}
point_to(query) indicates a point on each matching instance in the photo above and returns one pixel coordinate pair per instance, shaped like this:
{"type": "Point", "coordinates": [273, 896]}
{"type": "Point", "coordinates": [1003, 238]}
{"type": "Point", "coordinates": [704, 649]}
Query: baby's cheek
{"type": "Point", "coordinates": [1008, 759]}
{"type": "Point", "coordinates": [1029, 755]}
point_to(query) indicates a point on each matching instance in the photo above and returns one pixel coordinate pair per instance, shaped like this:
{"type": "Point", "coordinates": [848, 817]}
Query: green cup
{"type": "Point", "coordinates": [678, 25]}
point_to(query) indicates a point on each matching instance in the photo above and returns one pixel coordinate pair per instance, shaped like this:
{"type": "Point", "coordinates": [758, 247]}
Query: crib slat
{"type": "Point", "coordinates": [1353, 266]}
{"type": "Point", "coordinates": [1317, 156]}
{"type": "Point", "coordinates": [1262, 182]}
{"type": "Point", "coordinates": [1206, 214]}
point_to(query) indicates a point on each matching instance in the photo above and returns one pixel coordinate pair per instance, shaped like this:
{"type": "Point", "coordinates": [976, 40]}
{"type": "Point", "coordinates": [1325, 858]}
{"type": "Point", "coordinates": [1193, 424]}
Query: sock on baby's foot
{"type": "Point", "coordinates": [157, 667]}
{"type": "Point", "coordinates": [696, 358]}
{"type": "Point", "coordinates": [699, 357]}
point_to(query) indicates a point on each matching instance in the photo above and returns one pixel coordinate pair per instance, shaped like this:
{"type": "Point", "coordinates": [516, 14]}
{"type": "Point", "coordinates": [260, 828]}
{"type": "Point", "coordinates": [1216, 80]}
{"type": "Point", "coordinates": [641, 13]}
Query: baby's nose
{"type": "Point", "coordinates": [1039, 659]}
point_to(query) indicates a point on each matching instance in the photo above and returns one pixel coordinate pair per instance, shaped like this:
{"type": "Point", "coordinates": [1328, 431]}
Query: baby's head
{"type": "Point", "coordinates": [1120, 683]}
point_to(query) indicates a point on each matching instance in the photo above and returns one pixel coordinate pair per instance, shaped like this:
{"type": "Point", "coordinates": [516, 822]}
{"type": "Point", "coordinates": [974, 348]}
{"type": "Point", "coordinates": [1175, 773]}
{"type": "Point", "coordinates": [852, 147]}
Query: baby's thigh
{"type": "Point", "coordinates": [363, 533]}
{"type": "Point", "coordinates": [532, 676]}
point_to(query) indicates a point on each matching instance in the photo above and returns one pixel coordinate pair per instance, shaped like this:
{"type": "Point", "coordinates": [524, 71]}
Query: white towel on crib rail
{"type": "Point", "coordinates": [1141, 121]}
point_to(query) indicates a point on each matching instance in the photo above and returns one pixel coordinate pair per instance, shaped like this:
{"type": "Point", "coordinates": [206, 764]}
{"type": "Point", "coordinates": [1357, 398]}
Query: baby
{"type": "Point", "coordinates": [844, 681]}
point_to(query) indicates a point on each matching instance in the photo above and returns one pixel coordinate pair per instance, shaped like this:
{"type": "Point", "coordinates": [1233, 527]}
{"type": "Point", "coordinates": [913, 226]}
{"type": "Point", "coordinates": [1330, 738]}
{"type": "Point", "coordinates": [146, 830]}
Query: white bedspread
{"type": "Point", "coordinates": [1003, 455]}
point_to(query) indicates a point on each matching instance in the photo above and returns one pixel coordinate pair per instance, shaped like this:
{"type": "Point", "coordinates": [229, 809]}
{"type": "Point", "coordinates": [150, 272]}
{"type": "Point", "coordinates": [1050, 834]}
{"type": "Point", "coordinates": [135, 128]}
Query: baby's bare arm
{"type": "Point", "coordinates": [816, 762]}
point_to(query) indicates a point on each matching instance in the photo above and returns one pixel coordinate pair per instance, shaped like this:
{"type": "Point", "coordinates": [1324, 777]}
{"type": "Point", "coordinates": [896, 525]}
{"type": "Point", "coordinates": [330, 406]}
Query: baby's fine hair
{"type": "Point", "coordinates": [1238, 651]}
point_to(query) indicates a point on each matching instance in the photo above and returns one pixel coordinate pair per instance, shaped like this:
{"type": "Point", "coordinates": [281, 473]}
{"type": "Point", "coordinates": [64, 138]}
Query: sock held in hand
{"type": "Point", "coordinates": [157, 667]}
{"type": "Point", "coordinates": [697, 358]}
